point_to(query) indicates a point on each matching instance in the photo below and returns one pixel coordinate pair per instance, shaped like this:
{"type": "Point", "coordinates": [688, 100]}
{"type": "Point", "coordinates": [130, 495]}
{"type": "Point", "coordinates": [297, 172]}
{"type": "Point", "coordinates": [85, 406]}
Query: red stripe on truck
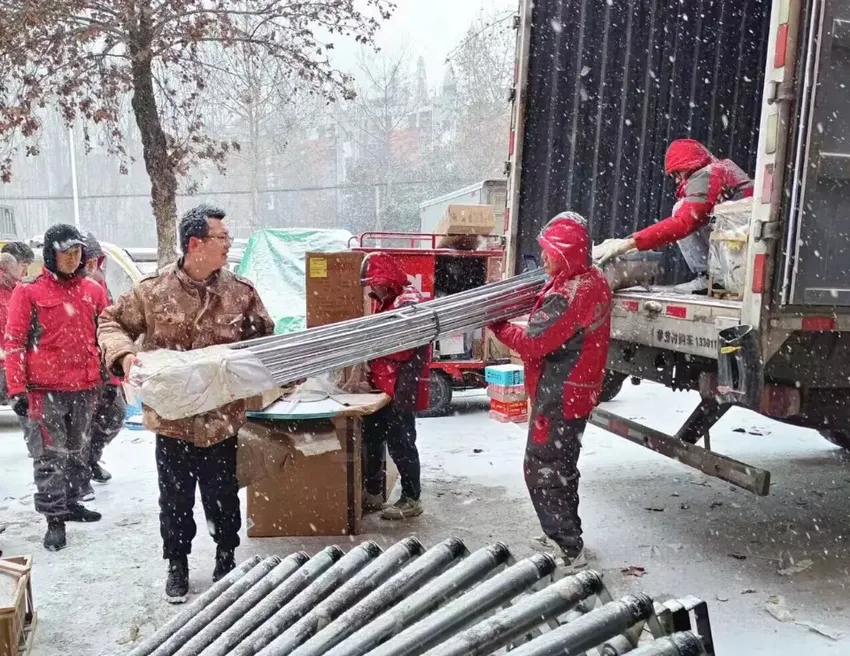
{"type": "Point", "coordinates": [818, 324]}
{"type": "Point", "coordinates": [758, 273]}
{"type": "Point", "coordinates": [677, 311]}
{"type": "Point", "coordinates": [507, 220]}
{"type": "Point", "coordinates": [767, 185]}
{"type": "Point", "coordinates": [781, 46]}
{"type": "Point", "coordinates": [511, 143]}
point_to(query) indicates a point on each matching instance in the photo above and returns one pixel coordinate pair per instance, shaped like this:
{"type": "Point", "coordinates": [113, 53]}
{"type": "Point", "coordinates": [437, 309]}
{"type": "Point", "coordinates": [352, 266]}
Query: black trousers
{"type": "Point", "coordinates": [552, 476]}
{"type": "Point", "coordinates": [393, 430]}
{"type": "Point", "coordinates": [180, 466]}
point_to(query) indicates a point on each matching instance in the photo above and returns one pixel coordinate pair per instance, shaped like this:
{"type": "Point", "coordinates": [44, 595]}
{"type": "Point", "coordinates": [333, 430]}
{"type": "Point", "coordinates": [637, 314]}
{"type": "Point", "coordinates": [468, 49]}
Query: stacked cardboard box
{"type": "Point", "coordinates": [508, 401]}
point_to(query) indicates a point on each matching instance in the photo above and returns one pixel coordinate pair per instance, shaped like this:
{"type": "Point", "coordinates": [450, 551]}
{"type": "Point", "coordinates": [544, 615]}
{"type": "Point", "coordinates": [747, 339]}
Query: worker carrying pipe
{"type": "Point", "coordinates": [564, 348]}
{"type": "Point", "coordinates": [702, 181]}
{"type": "Point", "coordinates": [404, 377]}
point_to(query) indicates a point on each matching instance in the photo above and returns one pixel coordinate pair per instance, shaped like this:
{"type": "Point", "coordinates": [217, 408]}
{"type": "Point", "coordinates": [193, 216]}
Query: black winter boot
{"type": "Point", "coordinates": [79, 513]}
{"type": "Point", "coordinates": [225, 562]}
{"type": "Point", "coordinates": [177, 586]}
{"type": "Point", "coordinates": [99, 474]}
{"type": "Point", "coordinates": [54, 539]}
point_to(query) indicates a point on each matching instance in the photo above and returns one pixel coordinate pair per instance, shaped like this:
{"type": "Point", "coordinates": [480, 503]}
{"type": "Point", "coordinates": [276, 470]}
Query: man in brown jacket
{"type": "Point", "coordinates": [196, 303]}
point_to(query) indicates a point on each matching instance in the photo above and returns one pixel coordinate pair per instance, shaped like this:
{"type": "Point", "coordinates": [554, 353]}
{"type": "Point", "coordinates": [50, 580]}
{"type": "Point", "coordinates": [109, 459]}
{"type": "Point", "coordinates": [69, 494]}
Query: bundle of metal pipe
{"type": "Point", "coordinates": [408, 601]}
{"type": "Point", "coordinates": [308, 353]}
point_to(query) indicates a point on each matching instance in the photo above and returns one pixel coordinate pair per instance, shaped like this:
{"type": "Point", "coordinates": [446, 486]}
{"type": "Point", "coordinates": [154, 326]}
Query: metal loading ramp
{"type": "Point", "coordinates": [406, 600]}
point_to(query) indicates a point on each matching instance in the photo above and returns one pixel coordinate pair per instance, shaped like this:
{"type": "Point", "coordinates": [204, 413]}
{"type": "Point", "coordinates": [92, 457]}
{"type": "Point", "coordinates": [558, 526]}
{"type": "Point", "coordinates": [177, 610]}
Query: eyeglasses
{"type": "Point", "coordinates": [226, 238]}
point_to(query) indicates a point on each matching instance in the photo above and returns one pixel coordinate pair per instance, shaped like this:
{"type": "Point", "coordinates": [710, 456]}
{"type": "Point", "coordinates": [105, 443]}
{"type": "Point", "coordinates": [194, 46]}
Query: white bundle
{"type": "Point", "coordinates": [179, 384]}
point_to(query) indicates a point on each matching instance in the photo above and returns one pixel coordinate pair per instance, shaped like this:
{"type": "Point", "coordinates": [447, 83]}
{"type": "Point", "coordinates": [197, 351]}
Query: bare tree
{"type": "Point", "coordinates": [84, 57]}
{"type": "Point", "coordinates": [482, 66]}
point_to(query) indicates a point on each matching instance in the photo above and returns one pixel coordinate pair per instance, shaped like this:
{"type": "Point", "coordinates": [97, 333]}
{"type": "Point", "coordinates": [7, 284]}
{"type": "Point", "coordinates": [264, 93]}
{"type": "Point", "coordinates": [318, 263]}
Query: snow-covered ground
{"type": "Point", "coordinates": [638, 508]}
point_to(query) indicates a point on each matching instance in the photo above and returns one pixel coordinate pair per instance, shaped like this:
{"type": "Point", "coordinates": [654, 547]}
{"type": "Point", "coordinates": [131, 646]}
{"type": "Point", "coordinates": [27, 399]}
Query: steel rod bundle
{"type": "Point", "coordinates": [301, 355]}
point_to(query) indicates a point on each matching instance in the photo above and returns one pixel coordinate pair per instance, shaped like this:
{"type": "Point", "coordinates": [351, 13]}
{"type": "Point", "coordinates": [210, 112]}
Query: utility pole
{"type": "Point", "coordinates": [74, 190]}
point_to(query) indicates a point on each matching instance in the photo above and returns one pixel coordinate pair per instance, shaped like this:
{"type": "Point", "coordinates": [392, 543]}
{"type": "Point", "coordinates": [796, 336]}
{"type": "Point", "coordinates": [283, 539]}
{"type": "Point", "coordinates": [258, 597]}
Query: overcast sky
{"type": "Point", "coordinates": [431, 29]}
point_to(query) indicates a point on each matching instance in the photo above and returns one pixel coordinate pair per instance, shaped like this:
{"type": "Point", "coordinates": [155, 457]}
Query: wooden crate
{"type": "Point", "coordinates": [17, 613]}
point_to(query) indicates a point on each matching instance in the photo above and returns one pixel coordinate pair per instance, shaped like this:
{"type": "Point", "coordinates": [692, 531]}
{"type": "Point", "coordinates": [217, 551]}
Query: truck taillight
{"type": "Point", "coordinates": [767, 185]}
{"type": "Point", "coordinates": [507, 220]}
{"type": "Point", "coordinates": [781, 46]}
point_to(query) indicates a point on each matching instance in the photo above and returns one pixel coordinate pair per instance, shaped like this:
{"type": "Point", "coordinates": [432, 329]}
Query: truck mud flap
{"type": "Point", "coordinates": [732, 471]}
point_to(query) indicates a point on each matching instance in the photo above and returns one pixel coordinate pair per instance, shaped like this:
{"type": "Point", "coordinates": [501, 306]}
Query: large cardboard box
{"type": "Point", "coordinates": [333, 288]}
{"type": "Point", "coordinates": [467, 220]}
{"type": "Point", "coordinates": [318, 490]}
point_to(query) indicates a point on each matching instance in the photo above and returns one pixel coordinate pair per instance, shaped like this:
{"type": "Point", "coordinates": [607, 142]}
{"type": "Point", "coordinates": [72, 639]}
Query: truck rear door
{"type": "Point", "coordinates": [816, 268]}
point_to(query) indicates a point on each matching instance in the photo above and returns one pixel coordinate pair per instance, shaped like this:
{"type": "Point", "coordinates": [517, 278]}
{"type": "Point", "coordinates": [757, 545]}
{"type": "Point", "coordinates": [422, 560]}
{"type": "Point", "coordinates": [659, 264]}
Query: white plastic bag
{"type": "Point", "coordinates": [728, 246]}
{"type": "Point", "coordinates": [180, 384]}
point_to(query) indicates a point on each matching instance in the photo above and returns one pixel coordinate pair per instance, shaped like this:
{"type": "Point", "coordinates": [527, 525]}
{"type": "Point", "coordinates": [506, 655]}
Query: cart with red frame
{"type": "Point", "coordinates": [457, 362]}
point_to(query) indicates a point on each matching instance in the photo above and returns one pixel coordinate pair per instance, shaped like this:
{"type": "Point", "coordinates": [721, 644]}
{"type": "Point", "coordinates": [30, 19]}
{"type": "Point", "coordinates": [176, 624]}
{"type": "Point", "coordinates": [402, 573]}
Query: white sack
{"type": "Point", "coordinates": [180, 384]}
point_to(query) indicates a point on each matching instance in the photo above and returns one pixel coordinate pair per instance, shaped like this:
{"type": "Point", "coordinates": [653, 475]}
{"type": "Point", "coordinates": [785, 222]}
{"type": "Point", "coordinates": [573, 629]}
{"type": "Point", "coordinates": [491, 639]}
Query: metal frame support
{"type": "Point", "coordinates": [732, 471]}
{"type": "Point", "coordinates": [700, 421]}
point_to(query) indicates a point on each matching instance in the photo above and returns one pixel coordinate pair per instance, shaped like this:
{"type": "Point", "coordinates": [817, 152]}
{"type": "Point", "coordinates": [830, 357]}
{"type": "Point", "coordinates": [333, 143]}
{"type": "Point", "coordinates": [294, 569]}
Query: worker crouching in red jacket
{"type": "Point", "coordinates": [564, 348]}
{"type": "Point", "coordinates": [54, 374]}
{"type": "Point", "coordinates": [403, 376]}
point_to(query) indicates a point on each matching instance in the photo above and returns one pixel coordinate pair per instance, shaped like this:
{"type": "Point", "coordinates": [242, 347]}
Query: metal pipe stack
{"type": "Point", "coordinates": [308, 353]}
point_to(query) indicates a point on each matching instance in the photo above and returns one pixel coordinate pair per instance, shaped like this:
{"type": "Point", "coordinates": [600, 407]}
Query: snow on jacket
{"type": "Point", "coordinates": [565, 345]}
{"type": "Point", "coordinates": [51, 335]}
{"type": "Point", "coordinates": [173, 312]}
{"type": "Point", "coordinates": [404, 376]}
{"type": "Point", "coordinates": [7, 286]}
{"type": "Point", "coordinates": [708, 181]}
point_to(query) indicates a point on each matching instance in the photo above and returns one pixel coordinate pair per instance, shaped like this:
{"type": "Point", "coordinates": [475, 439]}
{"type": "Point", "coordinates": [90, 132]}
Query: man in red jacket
{"type": "Point", "coordinates": [703, 181]}
{"type": "Point", "coordinates": [54, 374]}
{"type": "Point", "coordinates": [403, 376]}
{"type": "Point", "coordinates": [111, 407]}
{"type": "Point", "coordinates": [564, 348]}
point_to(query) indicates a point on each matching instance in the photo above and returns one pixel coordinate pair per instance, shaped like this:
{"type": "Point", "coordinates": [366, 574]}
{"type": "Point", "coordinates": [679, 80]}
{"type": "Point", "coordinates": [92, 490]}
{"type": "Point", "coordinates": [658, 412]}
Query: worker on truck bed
{"type": "Point", "coordinates": [404, 377]}
{"type": "Point", "coordinates": [54, 375]}
{"type": "Point", "coordinates": [195, 303]}
{"type": "Point", "coordinates": [702, 182]}
{"type": "Point", "coordinates": [564, 349]}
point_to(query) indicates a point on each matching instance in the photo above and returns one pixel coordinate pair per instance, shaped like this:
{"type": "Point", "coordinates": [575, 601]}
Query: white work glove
{"type": "Point", "coordinates": [611, 248]}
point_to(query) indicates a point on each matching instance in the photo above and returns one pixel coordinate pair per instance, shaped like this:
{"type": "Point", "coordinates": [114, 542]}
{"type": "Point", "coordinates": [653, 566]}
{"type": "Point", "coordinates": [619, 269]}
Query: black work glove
{"type": "Point", "coordinates": [21, 405]}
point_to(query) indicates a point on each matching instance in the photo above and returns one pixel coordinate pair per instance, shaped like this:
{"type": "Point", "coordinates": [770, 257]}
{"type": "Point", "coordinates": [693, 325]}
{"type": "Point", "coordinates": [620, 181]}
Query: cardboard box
{"type": "Point", "coordinates": [505, 419]}
{"type": "Point", "coordinates": [17, 612]}
{"type": "Point", "coordinates": [263, 401]}
{"type": "Point", "coordinates": [507, 394]}
{"type": "Point", "coordinates": [333, 287]}
{"type": "Point", "coordinates": [509, 408]}
{"type": "Point", "coordinates": [504, 374]}
{"type": "Point", "coordinates": [467, 220]}
{"type": "Point", "coordinates": [319, 489]}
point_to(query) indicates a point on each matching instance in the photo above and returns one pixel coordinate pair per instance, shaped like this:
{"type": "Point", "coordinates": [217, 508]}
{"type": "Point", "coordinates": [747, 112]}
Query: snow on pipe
{"type": "Point", "coordinates": [478, 602]}
{"type": "Point", "coordinates": [286, 568]}
{"type": "Point", "coordinates": [685, 643]}
{"type": "Point", "coordinates": [341, 572]}
{"type": "Point", "coordinates": [217, 607]}
{"type": "Point", "coordinates": [414, 576]}
{"type": "Point", "coordinates": [463, 575]}
{"type": "Point", "coordinates": [528, 613]}
{"type": "Point", "coordinates": [590, 630]}
{"type": "Point", "coordinates": [181, 619]}
{"type": "Point", "coordinates": [368, 579]}
{"type": "Point", "coordinates": [276, 600]}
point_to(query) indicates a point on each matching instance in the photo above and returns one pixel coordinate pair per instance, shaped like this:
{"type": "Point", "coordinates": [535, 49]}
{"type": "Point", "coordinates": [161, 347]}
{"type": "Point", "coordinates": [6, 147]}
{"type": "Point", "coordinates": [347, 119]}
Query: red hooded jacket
{"type": "Point", "coordinates": [7, 286]}
{"type": "Point", "coordinates": [707, 182]}
{"type": "Point", "coordinates": [50, 338]}
{"type": "Point", "coordinates": [404, 375]}
{"type": "Point", "coordinates": [565, 346]}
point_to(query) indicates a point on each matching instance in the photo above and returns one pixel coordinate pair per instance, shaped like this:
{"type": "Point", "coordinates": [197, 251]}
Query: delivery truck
{"type": "Point", "coordinates": [600, 90]}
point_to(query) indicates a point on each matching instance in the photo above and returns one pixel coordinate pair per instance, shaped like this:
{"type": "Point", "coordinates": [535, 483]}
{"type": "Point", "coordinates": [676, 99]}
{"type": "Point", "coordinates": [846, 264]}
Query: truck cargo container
{"type": "Point", "coordinates": [600, 90]}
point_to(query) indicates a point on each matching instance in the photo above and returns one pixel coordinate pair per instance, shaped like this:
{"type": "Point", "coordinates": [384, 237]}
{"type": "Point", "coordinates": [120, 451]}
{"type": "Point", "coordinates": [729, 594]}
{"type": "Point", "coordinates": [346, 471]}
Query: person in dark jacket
{"type": "Point", "coordinates": [702, 181]}
{"type": "Point", "coordinates": [53, 371]}
{"type": "Point", "coordinates": [564, 349]}
{"type": "Point", "coordinates": [111, 407]}
{"type": "Point", "coordinates": [403, 376]}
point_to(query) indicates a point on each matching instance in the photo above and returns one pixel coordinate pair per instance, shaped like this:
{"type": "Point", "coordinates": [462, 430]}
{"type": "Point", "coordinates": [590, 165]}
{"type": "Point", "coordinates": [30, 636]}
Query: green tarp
{"type": "Point", "coordinates": [274, 261]}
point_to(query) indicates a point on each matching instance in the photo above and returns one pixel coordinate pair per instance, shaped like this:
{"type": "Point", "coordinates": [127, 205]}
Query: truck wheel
{"type": "Point", "coordinates": [441, 395]}
{"type": "Point", "coordinates": [612, 385]}
{"type": "Point", "coordinates": [838, 438]}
